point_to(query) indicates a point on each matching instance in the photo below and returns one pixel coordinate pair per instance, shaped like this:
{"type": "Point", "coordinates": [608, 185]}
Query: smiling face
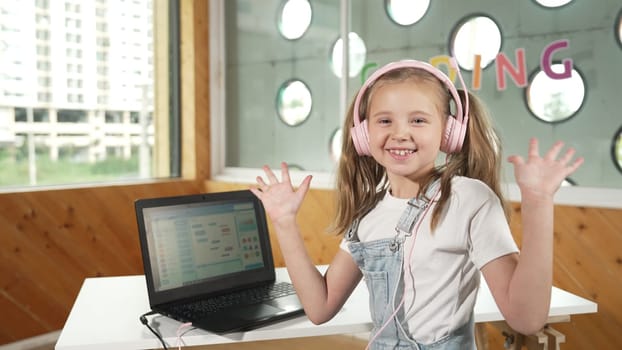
{"type": "Point", "coordinates": [406, 123]}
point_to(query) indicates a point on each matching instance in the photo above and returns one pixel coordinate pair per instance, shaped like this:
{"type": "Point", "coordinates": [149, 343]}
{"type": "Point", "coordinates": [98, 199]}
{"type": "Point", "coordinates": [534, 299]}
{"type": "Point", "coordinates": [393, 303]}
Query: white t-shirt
{"type": "Point", "coordinates": [445, 265]}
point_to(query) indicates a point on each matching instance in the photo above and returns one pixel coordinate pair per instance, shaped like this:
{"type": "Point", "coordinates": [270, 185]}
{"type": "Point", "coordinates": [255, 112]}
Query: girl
{"type": "Point", "coordinates": [419, 232]}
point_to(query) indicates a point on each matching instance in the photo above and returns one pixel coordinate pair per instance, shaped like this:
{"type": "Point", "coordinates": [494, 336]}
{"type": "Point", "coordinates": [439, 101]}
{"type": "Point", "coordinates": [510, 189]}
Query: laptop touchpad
{"type": "Point", "coordinates": [255, 312]}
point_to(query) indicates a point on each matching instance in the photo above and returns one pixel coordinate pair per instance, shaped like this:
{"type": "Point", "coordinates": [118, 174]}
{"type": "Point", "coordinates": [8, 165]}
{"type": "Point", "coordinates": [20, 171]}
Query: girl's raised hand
{"type": "Point", "coordinates": [542, 176]}
{"type": "Point", "coordinates": [279, 198]}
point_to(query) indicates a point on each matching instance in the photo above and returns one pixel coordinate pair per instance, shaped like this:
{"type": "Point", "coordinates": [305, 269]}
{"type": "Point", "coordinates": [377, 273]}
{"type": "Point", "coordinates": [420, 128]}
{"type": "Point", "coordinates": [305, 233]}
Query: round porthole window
{"type": "Point", "coordinates": [552, 3]}
{"type": "Point", "coordinates": [475, 35]}
{"type": "Point", "coordinates": [555, 100]}
{"type": "Point", "coordinates": [616, 149]}
{"type": "Point", "coordinates": [294, 102]}
{"type": "Point", "coordinates": [618, 28]}
{"type": "Point", "coordinates": [335, 145]}
{"type": "Point", "coordinates": [357, 54]}
{"type": "Point", "coordinates": [294, 19]}
{"type": "Point", "coordinates": [406, 12]}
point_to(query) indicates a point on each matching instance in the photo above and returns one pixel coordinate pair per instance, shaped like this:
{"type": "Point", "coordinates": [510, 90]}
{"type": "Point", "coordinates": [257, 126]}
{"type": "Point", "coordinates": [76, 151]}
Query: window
{"type": "Point", "coordinates": [42, 34]}
{"type": "Point", "coordinates": [475, 35]}
{"type": "Point", "coordinates": [43, 50]}
{"type": "Point", "coordinates": [357, 55]}
{"type": "Point", "coordinates": [552, 3]}
{"type": "Point", "coordinates": [406, 12]}
{"type": "Point", "coordinates": [295, 18]}
{"type": "Point", "coordinates": [294, 102]}
{"type": "Point", "coordinates": [72, 109]}
{"type": "Point", "coordinates": [555, 100]}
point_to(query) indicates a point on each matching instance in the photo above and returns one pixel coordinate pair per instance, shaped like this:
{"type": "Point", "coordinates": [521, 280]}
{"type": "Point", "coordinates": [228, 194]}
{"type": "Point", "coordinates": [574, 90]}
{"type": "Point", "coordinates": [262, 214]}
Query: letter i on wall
{"type": "Point", "coordinates": [476, 84]}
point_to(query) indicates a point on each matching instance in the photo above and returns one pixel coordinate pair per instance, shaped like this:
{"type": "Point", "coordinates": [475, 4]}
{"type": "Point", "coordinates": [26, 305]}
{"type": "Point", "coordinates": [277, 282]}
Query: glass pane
{"type": "Point", "coordinates": [295, 18]}
{"type": "Point", "coordinates": [406, 12]}
{"type": "Point", "coordinates": [294, 102]}
{"type": "Point", "coordinates": [555, 100]}
{"type": "Point", "coordinates": [476, 36]}
{"type": "Point", "coordinates": [76, 92]}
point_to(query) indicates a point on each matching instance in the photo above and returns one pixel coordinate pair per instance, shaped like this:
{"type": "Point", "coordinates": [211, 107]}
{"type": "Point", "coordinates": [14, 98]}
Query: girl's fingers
{"type": "Point", "coordinates": [533, 151]}
{"type": "Point", "coordinates": [554, 151]}
{"type": "Point", "coordinates": [516, 160]}
{"type": "Point", "coordinates": [565, 159]}
{"type": "Point", "coordinates": [260, 182]}
{"type": "Point", "coordinates": [271, 177]}
{"type": "Point", "coordinates": [285, 173]}
{"type": "Point", "coordinates": [256, 191]}
{"type": "Point", "coordinates": [577, 163]}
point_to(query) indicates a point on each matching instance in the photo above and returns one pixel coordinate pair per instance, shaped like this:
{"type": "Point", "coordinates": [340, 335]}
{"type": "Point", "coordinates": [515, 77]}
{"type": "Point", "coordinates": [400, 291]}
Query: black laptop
{"type": "Point", "coordinates": [208, 260]}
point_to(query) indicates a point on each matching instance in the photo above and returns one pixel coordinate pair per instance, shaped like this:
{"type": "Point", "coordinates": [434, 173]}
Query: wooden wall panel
{"type": "Point", "coordinates": [52, 240]}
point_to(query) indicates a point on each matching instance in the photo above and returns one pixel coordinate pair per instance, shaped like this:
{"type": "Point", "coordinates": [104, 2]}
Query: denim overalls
{"type": "Point", "coordinates": [381, 262]}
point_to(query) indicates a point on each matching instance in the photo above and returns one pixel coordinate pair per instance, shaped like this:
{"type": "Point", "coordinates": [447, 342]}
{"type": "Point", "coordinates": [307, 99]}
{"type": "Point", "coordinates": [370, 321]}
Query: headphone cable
{"type": "Point", "coordinates": [143, 320]}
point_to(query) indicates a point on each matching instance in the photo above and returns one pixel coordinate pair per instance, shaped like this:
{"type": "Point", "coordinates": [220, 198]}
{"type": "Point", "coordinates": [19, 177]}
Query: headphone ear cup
{"type": "Point", "coordinates": [360, 138]}
{"type": "Point", "coordinates": [453, 136]}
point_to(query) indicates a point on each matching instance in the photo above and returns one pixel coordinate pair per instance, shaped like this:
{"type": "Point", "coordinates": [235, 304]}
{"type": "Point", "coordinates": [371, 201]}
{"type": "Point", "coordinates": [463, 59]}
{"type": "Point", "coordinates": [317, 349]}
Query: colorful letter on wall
{"type": "Point", "coordinates": [477, 72]}
{"type": "Point", "coordinates": [444, 59]}
{"type": "Point", "coordinates": [546, 60]}
{"type": "Point", "coordinates": [518, 74]}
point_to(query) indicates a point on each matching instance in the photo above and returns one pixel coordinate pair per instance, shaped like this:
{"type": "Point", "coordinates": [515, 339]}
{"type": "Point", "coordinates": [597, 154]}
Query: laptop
{"type": "Point", "coordinates": [204, 253]}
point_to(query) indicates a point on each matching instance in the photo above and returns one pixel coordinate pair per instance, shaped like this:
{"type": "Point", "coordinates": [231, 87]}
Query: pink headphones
{"type": "Point", "coordinates": [455, 130]}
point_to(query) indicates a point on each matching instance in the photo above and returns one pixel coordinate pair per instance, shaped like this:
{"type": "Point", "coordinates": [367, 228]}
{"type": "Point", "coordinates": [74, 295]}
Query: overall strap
{"type": "Point", "coordinates": [415, 207]}
{"type": "Point", "coordinates": [352, 233]}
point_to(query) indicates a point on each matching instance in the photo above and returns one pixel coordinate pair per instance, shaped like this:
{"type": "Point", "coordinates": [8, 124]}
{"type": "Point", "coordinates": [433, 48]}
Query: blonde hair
{"type": "Point", "coordinates": [362, 182]}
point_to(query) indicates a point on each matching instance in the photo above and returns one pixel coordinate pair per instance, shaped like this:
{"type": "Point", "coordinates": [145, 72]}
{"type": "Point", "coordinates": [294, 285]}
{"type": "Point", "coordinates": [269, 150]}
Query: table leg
{"type": "Point", "coordinates": [538, 341]}
{"type": "Point", "coordinates": [481, 336]}
{"type": "Point", "coordinates": [555, 337]}
{"type": "Point", "coordinates": [546, 339]}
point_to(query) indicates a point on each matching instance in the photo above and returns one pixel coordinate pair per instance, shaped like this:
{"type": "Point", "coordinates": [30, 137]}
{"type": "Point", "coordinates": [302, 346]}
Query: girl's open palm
{"type": "Point", "coordinates": [279, 198]}
{"type": "Point", "coordinates": [542, 176]}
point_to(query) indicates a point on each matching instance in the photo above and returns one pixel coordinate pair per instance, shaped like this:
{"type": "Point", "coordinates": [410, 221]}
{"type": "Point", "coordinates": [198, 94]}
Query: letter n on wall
{"type": "Point", "coordinates": [518, 73]}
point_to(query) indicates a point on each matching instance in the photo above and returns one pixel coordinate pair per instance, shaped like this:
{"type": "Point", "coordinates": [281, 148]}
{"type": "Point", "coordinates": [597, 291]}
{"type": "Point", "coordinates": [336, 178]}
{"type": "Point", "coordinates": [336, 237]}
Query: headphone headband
{"type": "Point", "coordinates": [421, 65]}
{"type": "Point", "coordinates": [455, 127]}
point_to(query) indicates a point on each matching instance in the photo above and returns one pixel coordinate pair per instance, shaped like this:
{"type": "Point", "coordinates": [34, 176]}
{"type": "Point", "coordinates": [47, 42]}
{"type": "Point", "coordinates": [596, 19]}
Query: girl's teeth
{"type": "Point", "coordinates": [401, 152]}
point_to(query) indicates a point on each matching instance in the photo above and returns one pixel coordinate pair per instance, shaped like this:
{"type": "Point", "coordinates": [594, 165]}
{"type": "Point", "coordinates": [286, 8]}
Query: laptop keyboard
{"type": "Point", "coordinates": [245, 297]}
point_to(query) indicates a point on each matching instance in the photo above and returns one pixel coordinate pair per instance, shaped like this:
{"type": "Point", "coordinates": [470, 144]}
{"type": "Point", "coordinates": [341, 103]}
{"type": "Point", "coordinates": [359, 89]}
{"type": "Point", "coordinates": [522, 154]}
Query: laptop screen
{"type": "Point", "coordinates": [190, 243]}
{"type": "Point", "coordinates": [203, 244]}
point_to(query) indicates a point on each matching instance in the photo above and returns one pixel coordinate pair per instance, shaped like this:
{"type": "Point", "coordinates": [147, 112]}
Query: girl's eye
{"type": "Point", "coordinates": [384, 121]}
{"type": "Point", "coordinates": [418, 121]}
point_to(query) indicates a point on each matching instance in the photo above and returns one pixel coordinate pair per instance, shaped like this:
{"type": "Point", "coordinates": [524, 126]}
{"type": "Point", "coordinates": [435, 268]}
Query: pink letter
{"type": "Point", "coordinates": [545, 60]}
{"type": "Point", "coordinates": [518, 75]}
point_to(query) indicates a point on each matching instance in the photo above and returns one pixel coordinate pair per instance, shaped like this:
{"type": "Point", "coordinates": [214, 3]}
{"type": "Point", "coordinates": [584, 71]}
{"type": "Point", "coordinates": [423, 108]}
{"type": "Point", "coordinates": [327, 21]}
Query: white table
{"type": "Point", "coordinates": [106, 315]}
